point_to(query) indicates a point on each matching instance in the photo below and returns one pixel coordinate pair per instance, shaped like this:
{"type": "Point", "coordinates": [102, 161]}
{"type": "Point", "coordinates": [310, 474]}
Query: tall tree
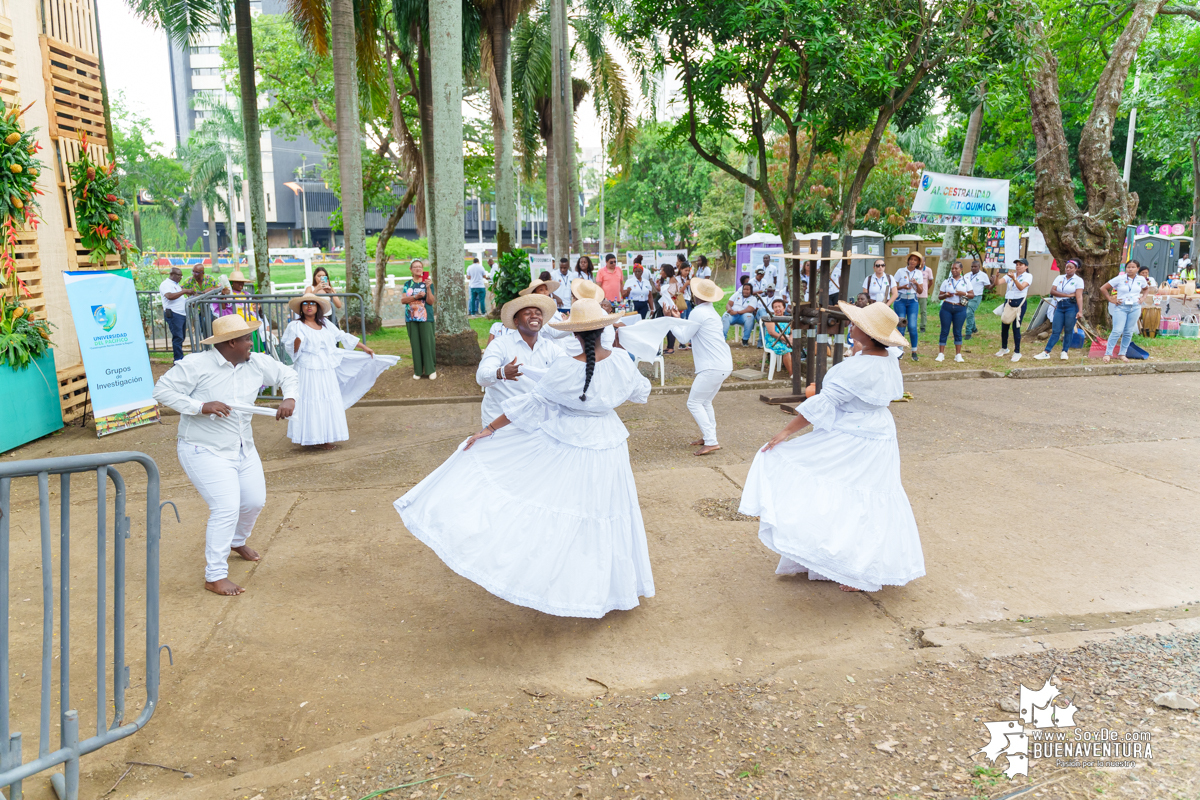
{"type": "Point", "coordinates": [966, 166]}
{"type": "Point", "coordinates": [145, 173]}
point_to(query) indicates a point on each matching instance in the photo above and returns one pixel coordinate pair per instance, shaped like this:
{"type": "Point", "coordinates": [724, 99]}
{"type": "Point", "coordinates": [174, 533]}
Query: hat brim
{"type": "Point", "coordinates": [587, 325]}
{"type": "Point", "coordinates": [583, 289]}
{"type": "Point", "coordinates": [868, 326]}
{"type": "Point", "coordinates": [217, 338]}
{"type": "Point", "coordinates": [708, 291]}
{"type": "Point", "coordinates": [552, 286]}
{"type": "Point", "coordinates": [323, 303]}
{"type": "Point", "coordinates": [508, 314]}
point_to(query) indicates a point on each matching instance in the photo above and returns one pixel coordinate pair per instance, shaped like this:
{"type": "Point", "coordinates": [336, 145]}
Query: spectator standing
{"type": "Point", "coordinates": [418, 320]}
{"type": "Point", "coordinates": [1015, 294]}
{"type": "Point", "coordinates": [477, 281]}
{"type": "Point", "coordinates": [637, 290]}
{"type": "Point", "coordinates": [1124, 294]}
{"type": "Point", "coordinates": [955, 293]}
{"type": "Point", "coordinates": [562, 295]}
{"type": "Point", "coordinates": [702, 269]}
{"type": "Point", "coordinates": [909, 281]}
{"type": "Point", "coordinates": [611, 279]}
{"type": "Point", "coordinates": [322, 287]}
{"type": "Point", "coordinates": [1067, 295]}
{"type": "Point", "coordinates": [880, 286]}
{"type": "Point", "coordinates": [740, 310]}
{"type": "Point", "coordinates": [980, 282]}
{"type": "Point", "coordinates": [174, 300]}
{"type": "Point", "coordinates": [669, 299]}
{"type": "Point", "coordinates": [583, 268]}
{"type": "Point", "coordinates": [923, 294]}
{"type": "Point", "coordinates": [683, 271]}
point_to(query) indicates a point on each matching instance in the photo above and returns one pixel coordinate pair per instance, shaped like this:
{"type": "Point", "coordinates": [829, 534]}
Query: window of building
{"type": "Point", "coordinates": [206, 70]}
{"type": "Point", "coordinates": [206, 50]}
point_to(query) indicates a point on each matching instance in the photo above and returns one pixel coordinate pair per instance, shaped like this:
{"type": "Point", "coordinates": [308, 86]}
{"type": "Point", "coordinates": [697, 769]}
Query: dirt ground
{"type": "Point", "coordinates": [1046, 500]}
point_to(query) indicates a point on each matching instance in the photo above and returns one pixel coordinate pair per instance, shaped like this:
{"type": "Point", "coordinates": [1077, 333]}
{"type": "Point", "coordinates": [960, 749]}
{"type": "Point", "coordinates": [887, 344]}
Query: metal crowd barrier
{"type": "Point", "coordinates": [12, 769]}
{"type": "Point", "coordinates": [158, 335]}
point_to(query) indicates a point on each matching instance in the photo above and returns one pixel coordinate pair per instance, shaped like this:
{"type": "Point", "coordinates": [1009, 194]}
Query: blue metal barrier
{"type": "Point", "coordinates": [12, 769]}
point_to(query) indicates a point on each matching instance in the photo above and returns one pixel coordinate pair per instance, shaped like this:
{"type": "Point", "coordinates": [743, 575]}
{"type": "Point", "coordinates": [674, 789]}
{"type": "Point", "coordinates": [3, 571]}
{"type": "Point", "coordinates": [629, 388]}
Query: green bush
{"type": "Point", "coordinates": [512, 277]}
{"type": "Point", "coordinates": [399, 248]}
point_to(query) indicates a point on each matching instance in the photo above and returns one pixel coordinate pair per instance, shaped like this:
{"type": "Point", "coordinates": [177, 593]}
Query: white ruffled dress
{"type": "Point", "coordinates": [331, 380]}
{"type": "Point", "coordinates": [488, 515]}
{"type": "Point", "coordinates": [830, 503]}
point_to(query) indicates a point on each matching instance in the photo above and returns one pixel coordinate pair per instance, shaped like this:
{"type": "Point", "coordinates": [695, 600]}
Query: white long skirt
{"type": "Point", "coordinates": [832, 505]}
{"type": "Point", "coordinates": [325, 394]}
{"type": "Point", "coordinates": [575, 553]}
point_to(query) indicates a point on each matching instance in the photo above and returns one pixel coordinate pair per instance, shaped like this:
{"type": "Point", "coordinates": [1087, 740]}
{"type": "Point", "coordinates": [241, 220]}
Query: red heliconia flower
{"type": "Point", "coordinates": [102, 230]}
{"type": "Point", "coordinates": [112, 198]}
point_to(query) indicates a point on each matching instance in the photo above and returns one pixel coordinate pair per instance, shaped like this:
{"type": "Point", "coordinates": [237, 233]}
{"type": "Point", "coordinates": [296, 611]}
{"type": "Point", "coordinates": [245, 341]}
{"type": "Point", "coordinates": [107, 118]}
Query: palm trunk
{"type": "Point", "coordinates": [552, 232]}
{"type": "Point", "coordinates": [748, 200]}
{"type": "Point", "coordinates": [349, 143]}
{"type": "Point", "coordinates": [500, 36]}
{"type": "Point", "coordinates": [561, 112]}
{"type": "Point", "coordinates": [966, 166]}
{"type": "Point", "coordinates": [212, 233]}
{"type": "Point", "coordinates": [425, 112]}
{"type": "Point", "coordinates": [253, 144]}
{"type": "Point", "coordinates": [389, 227]}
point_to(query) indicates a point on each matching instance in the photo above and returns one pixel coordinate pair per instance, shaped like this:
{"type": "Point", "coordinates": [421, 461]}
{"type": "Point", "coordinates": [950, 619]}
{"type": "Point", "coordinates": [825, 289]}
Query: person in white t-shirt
{"type": "Point", "coordinates": [1125, 308]}
{"type": "Point", "coordinates": [702, 270]}
{"type": "Point", "coordinates": [955, 292]}
{"type": "Point", "coordinates": [909, 281]}
{"type": "Point", "coordinates": [1016, 291]}
{"type": "Point", "coordinates": [880, 286]}
{"type": "Point", "coordinates": [638, 289]}
{"type": "Point", "coordinates": [174, 300]}
{"type": "Point", "coordinates": [477, 282]}
{"type": "Point", "coordinates": [1067, 293]}
{"type": "Point", "coordinates": [1144, 272]}
{"type": "Point", "coordinates": [980, 283]}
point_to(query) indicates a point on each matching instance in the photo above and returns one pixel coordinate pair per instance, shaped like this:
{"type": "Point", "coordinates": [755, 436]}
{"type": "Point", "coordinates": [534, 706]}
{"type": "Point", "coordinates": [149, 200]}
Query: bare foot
{"type": "Point", "coordinates": [697, 443]}
{"type": "Point", "coordinates": [224, 587]}
{"type": "Point", "coordinates": [1107, 359]}
{"type": "Point", "coordinates": [846, 588]}
{"type": "Point", "coordinates": [246, 553]}
{"type": "Point", "coordinates": [1124, 359]}
{"type": "Point", "coordinates": [708, 448]}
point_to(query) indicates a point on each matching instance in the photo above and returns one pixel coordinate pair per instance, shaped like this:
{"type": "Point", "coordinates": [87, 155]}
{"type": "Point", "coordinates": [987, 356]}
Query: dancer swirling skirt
{"type": "Point", "coordinates": [831, 503]}
{"type": "Point", "coordinates": [486, 513]}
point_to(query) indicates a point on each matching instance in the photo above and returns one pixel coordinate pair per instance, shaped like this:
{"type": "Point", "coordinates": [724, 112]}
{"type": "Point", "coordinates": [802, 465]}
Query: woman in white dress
{"type": "Point", "coordinates": [331, 378]}
{"type": "Point", "coordinates": [831, 503]}
{"type": "Point", "coordinates": [576, 554]}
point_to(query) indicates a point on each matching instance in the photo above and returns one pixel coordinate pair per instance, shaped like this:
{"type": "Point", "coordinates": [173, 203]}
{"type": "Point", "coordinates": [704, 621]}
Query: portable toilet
{"type": "Point", "coordinates": [744, 246]}
{"type": "Point", "coordinates": [1156, 251]}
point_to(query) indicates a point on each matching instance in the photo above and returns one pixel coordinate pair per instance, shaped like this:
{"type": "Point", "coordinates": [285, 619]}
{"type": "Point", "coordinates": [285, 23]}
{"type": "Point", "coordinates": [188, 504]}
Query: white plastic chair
{"type": "Point", "coordinates": [775, 357]}
{"type": "Point", "coordinates": [657, 361]}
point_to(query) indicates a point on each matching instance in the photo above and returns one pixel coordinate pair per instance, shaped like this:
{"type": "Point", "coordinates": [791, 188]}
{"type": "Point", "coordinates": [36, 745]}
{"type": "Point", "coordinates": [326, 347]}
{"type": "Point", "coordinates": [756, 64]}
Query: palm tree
{"type": "Point", "coordinates": [206, 165]}
{"type": "Point", "coordinates": [185, 20]}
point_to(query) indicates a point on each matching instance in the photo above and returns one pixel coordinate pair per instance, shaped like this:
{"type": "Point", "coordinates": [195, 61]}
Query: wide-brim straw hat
{"type": "Point", "coordinates": [509, 312]}
{"type": "Point", "coordinates": [551, 286]}
{"type": "Point", "coordinates": [877, 320]}
{"type": "Point", "coordinates": [308, 297]}
{"type": "Point", "coordinates": [237, 277]}
{"type": "Point", "coordinates": [706, 290]}
{"type": "Point", "coordinates": [231, 326]}
{"type": "Point", "coordinates": [583, 289]}
{"type": "Point", "coordinates": [586, 315]}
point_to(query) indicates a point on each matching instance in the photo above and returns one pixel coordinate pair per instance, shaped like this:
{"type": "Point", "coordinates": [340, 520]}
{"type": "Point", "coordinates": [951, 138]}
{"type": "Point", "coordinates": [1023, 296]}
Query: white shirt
{"type": "Point", "coordinates": [1012, 292]}
{"type": "Point", "coordinates": [639, 290]}
{"type": "Point", "coordinates": [759, 285]}
{"type": "Point", "coordinates": [928, 273]}
{"type": "Point", "coordinates": [1153, 283]}
{"type": "Point", "coordinates": [910, 282]}
{"type": "Point", "coordinates": [1067, 286]}
{"type": "Point", "coordinates": [963, 284]}
{"type": "Point", "coordinates": [499, 353]}
{"type": "Point", "coordinates": [835, 280]}
{"type": "Point", "coordinates": [709, 348]}
{"type": "Point", "coordinates": [880, 289]}
{"type": "Point", "coordinates": [979, 281]}
{"type": "Point", "coordinates": [478, 276]}
{"type": "Point", "coordinates": [701, 272]}
{"type": "Point", "coordinates": [570, 345]}
{"type": "Point", "coordinates": [179, 304]}
{"type": "Point", "coordinates": [1129, 290]}
{"type": "Point", "coordinates": [563, 293]}
{"type": "Point", "coordinates": [203, 377]}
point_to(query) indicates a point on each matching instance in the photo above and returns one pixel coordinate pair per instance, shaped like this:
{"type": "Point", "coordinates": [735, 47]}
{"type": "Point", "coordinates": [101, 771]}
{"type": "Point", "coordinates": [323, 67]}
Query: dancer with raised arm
{"type": "Point", "coordinates": [487, 515]}
{"type": "Point", "coordinates": [830, 503]}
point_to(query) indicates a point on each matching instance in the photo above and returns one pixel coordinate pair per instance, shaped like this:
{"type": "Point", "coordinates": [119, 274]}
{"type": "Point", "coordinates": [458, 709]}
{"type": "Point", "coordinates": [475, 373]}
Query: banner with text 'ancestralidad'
{"type": "Point", "coordinates": [960, 200]}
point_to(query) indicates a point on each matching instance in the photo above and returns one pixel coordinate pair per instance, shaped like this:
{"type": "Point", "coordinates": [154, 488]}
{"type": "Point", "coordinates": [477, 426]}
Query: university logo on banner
{"type": "Point", "coordinates": [108, 325]}
{"type": "Point", "coordinates": [960, 200]}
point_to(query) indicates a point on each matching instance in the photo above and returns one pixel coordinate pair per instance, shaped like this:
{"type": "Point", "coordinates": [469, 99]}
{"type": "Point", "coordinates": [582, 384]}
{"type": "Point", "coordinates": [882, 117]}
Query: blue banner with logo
{"type": "Point", "coordinates": [108, 324]}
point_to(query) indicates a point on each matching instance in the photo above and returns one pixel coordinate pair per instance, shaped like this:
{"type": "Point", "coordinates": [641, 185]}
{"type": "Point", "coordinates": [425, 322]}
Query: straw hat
{"type": "Point", "coordinates": [229, 327]}
{"type": "Point", "coordinates": [536, 282]}
{"type": "Point", "coordinates": [510, 309]}
{"type": "Point", "coordinates": [877, 321]}
{"type": "Point", "coordinates": [308, 297]}
{"type": "Point", "coordinates": [706, 290]}
{"type": "Point", "coordinates": [586, 315]}
{"type": "Point", "coordinates": [584, 289]}
{"type": "Point", "coordinates": [237, 277]}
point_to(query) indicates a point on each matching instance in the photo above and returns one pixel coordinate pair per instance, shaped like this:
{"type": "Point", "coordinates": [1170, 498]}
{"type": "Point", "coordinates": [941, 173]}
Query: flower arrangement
{"type": "Point", "coordinates": [97, 206]}
{"type": "Point", "coordinates": [22, 338]}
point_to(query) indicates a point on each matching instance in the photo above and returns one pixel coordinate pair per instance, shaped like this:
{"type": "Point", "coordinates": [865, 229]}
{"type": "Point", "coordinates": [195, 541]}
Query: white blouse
{"type": "Point", "coordinates": [880, 289]}
{"type": "Point", "coordinates": [855, 396]}
{"type": "Point", "coordinates": [1012, 292]}
{"type": "Point", "coordinates": [952, 285]}
{"type": "Point", "coordinates": [318, 348]}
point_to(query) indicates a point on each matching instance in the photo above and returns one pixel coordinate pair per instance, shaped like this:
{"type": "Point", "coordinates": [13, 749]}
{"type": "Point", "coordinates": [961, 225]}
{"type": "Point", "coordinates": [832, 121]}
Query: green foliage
{"type": "Point", "coordinates": [19, 167]}
{"type": "Point", "coordinates": [512, 277]}
{"type": "Point", "coordinates": [94, 188]}
{"type": "Point", "coordinates": [143, 169]}
{"type": "Point", "coordinates": [400, 249]}
{"type": "Point", "coordinates": [719, 223]}
{"type": "Point", "coordinates": [22, 339]}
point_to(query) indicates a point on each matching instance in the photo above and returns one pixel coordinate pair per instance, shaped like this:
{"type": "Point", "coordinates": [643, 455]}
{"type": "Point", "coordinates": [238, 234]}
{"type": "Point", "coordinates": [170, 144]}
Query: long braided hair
{"type": "Point", "coordinates": [588, 339]}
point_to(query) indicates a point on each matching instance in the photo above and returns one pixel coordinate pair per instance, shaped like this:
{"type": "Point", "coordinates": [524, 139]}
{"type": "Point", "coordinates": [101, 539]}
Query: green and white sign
{"type": "Point", "coordinates": [960, 200]}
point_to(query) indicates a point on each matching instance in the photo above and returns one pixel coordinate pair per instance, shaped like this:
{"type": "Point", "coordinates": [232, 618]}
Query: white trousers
{"type": "Point", "coordinates": [235, 490]}
{"type": "Point", "coordinates": [704, 389]}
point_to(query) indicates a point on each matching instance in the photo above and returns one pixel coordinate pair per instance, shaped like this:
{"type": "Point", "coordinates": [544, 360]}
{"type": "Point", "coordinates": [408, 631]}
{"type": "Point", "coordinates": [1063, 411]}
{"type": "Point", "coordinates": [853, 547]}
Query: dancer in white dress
{"type": "Point", "coordinates": [331, 378]}
{"type": "Point", "coordinates": [831, 503]}
{"type": "Point", "coordinates": [487, 516]}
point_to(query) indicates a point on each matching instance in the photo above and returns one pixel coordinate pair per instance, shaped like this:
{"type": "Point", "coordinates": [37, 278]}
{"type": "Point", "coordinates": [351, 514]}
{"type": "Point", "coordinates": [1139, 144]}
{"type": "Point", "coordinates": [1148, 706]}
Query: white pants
{"type": "Point", "coordinates": [704, 389]}
{"type": "Point", "coordinates": [235, 490]}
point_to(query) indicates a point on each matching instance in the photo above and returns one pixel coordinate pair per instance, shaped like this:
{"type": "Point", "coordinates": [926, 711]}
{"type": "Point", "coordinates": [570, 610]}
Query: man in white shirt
{"type": "Point", "coordinates": [740, 310]}
{"type": "Point", "coordinates": [759, 283]}
{"type": "Point", "coordinates": [770, 273]}
{"type": "Point", "coordinates": [174, 300]}
{"type": "Point", "coordinates": [562, 294]}
{"type": "Point", "coordinates": [637, 290]}
{"type": "Point", "coordinates": [216, 443]}
{"type": "Point", "coordinates": [980, 281]}
{"type": "Point", "coordinates": [512, 364]}
{"type": "Point", "coordinates": [477, 278]}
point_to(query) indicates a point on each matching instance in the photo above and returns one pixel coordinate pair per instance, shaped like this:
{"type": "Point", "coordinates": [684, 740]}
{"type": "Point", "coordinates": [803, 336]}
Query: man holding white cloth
{"type": "Point", "coordinates": [216, 449]}
{"type": "Point", "coordinates": [512, 364]}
